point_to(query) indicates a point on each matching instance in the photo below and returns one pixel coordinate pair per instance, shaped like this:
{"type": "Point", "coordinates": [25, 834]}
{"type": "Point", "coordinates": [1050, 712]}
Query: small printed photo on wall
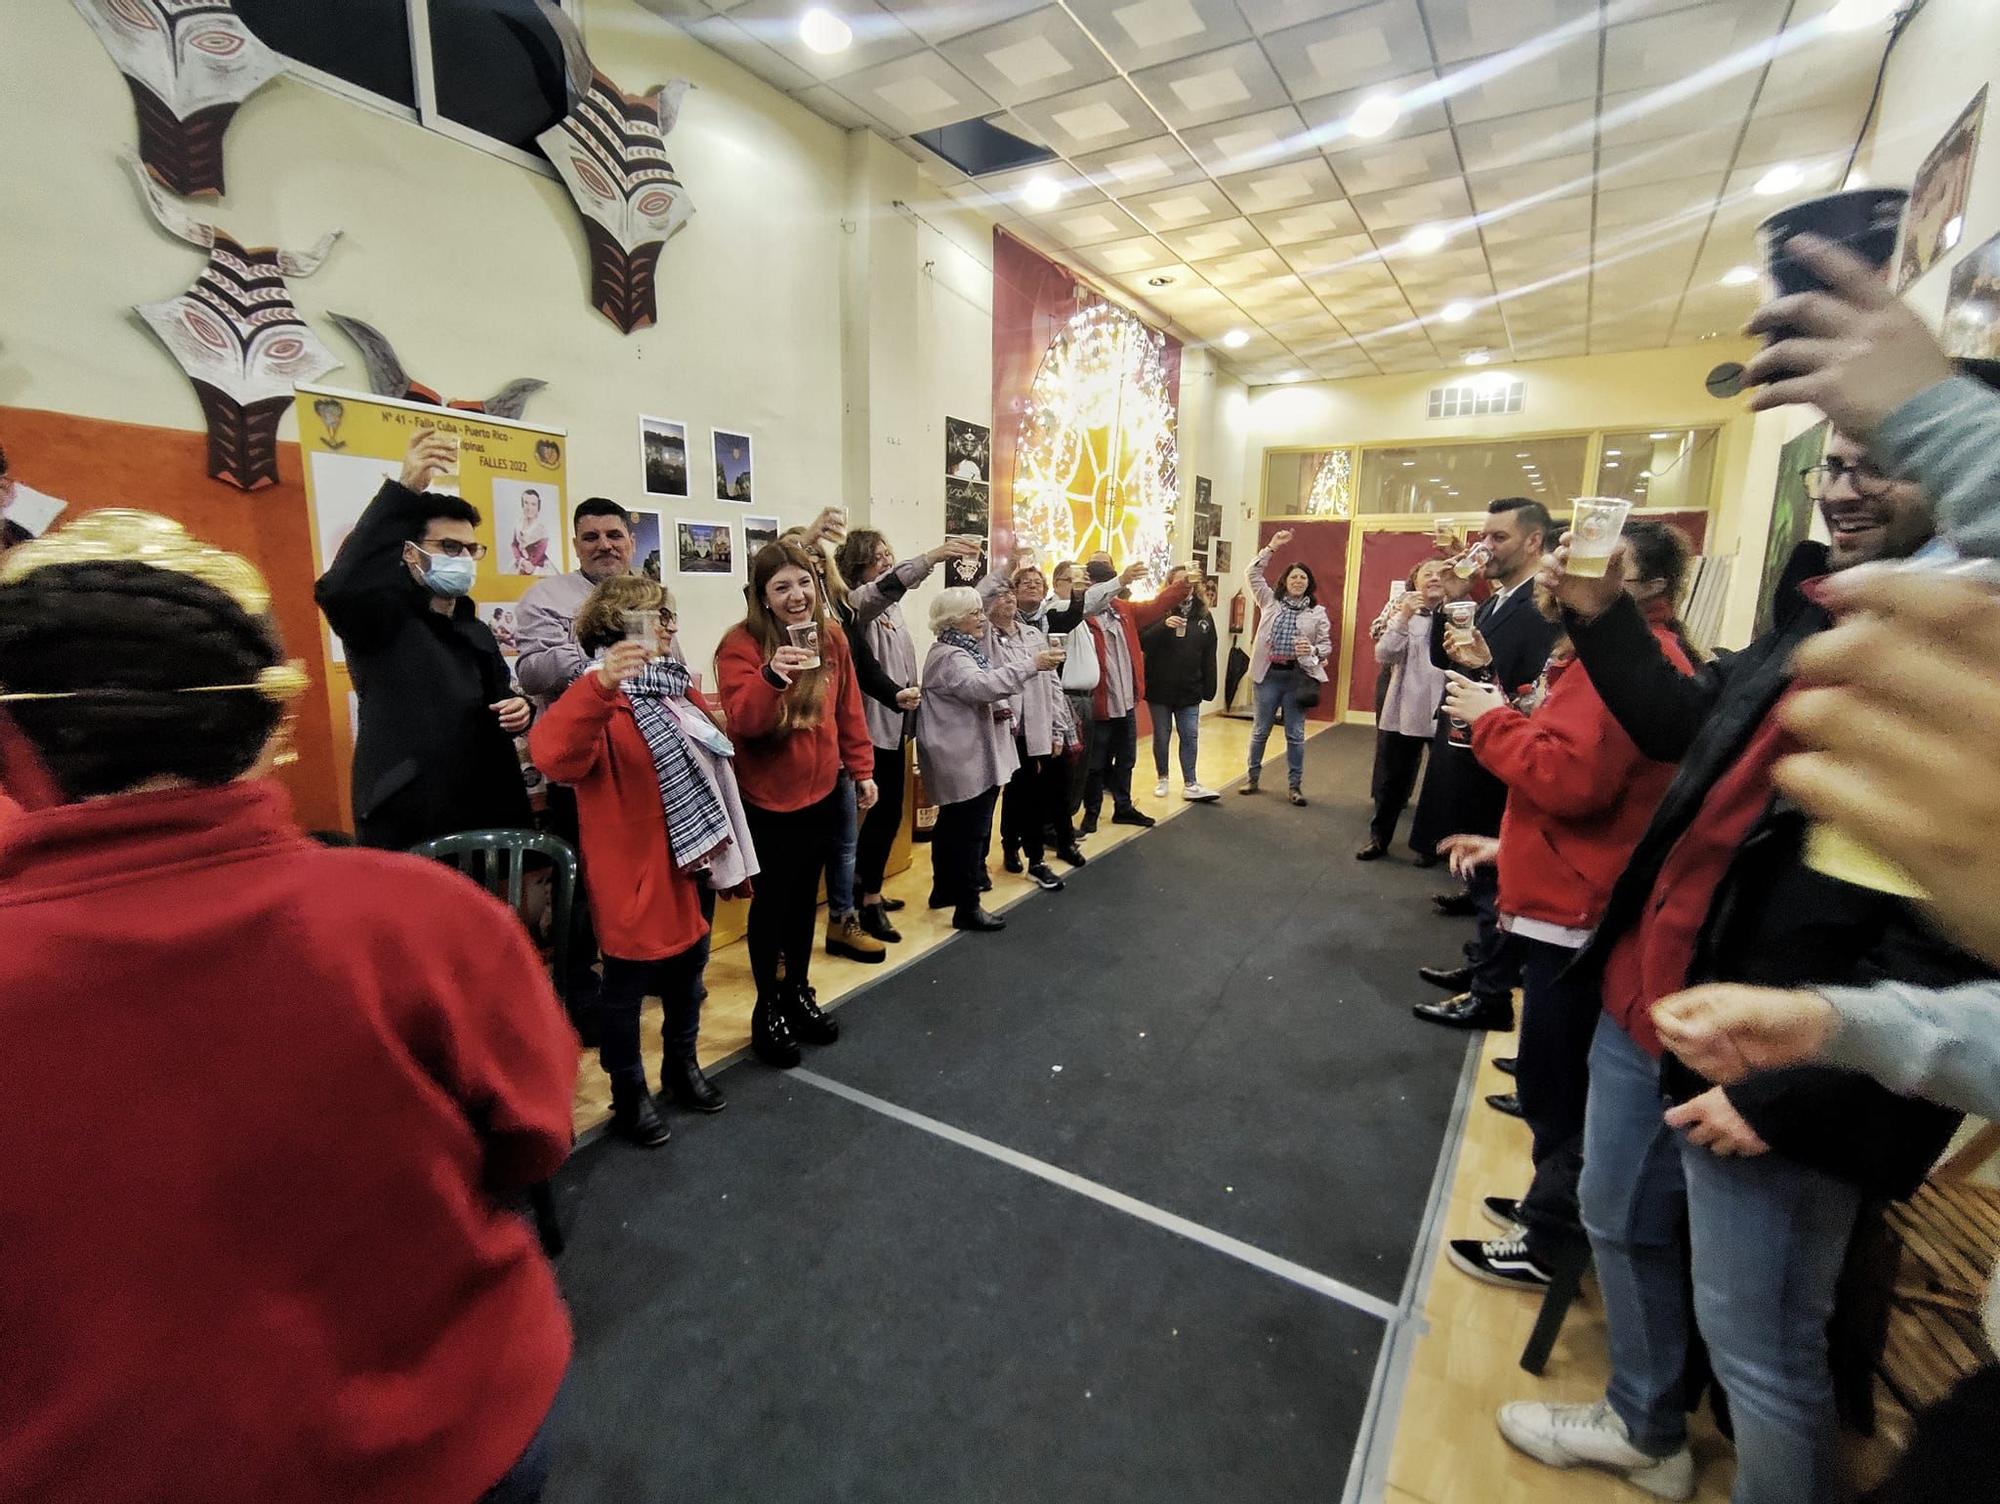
{"type": "Point", "coordinates": [968, 514]}
{"type": "Point", "coordinates": [663, 457]}
{"type": "Point", "coordinates": [648, 531]}
{"type": "Point", "coordinates": [757, 531]}
{"type": "Point", "coordinates": [527, 527]}
{"type": "Point", "coordinates": [705, 547]}
{"type": "Point", "coordinates": [732, 466]}
{"type": "Point", "coordinates": [968, 450]}
{"type": "Point", "coordinates": [501, 617]}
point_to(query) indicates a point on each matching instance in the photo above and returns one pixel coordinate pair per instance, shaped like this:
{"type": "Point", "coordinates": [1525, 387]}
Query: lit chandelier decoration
{"type": "Point", "coordinates": [1097, 466]}
{"type": "Point", "coordinates": [1332, 492]}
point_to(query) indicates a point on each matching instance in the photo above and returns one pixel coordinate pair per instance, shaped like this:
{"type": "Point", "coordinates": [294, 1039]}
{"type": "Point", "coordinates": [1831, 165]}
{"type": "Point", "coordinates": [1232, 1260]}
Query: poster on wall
{"type": "Point", "coordinates": [1791, 515]}
{"type": "Point", "coordinates": [1936, 216]}
{"type": "Point", "coordinates": [1972, 310]}
{"type": "Point", "coordinates": [528, 519]}
{"type": "Point", "coordinates": [502, 617]}
{"type": "Point", "coordinates": [732, 466]}
{"type": "Point", "coordinates": [1219, 556]}
{"type": "Point", "coordinates": [663, 457]}
{"type": "Point", "coordinates": [968, 513]}
{"type": "Point", "coordinates": [1204, 530]}
{"type": "Point", "coordinates": [647, 548]}
{"type": "Point", "coordinates": [757, 531]}
{"type": "Point", "coordinates": [968, 450]}
{"type": "Point", "coordinates": [704, 547]}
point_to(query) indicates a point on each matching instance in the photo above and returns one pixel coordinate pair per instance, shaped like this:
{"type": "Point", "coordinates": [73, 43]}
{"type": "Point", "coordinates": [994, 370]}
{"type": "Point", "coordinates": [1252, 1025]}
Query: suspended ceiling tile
{"type": "Point", "coordinates": [1080, 225]}
{"type": "Point", "coordinates": [1267, 16]}
{"type": "Point", "coordinates": [1420, 203]}
{"type": "Point", "coordinates": [1831, 66]}
{"type": "Point", "coordinates": [1716, 307]}
{"type": "Point", "coordinates": [1462, 29]}
{"type": "Point", "coordinates": [1141, 167]}
{"type": "Point", "coordinates": [1533, 183]}
{"type": "Point", "coordinates": [878, 36]}
{"type": "Point", "coordinates": [720, 34]}
{"type": "Point", "coordinates": [1344, 367]}
{"type": "Point", "coordinates": [1630, 116]}
{"type": "Point", "coordinates": [1243, 270]}
{"type": "Point", "coordinates": [1525, 79]}
{"type": "Point", "coordinates": [1383, 165]}
{"type": "Point", "coordinates": [1118, 258]}
{"type": "Point", "coordinates": [824, 102]}
{"type": "Point", "coordinates": [1553, 347]}
{"type": "Point", "coordinates": [1181, 208]}
{"type": "Point", "coordinates": [1668, 206]}
{"type": "Point", "coordinates": [1355, 49]}
{"type": "Point", "coordinates": [1092, 119]}
{"type": "Point", "coordinates": [1209, 324]}
{"type": "Point", "coordinates": [915, 93]}
{"type": "Point", "coordinates": [1222, 237]}
{"type": "Point", "coordinates": [1009, 188]}
{"type": "Point", "coordinates": [1532, 136]}
{"type": "Point", "coordinates": [1289, 185]}
{"type": "Point", "coordinates": [1780, 136]}
{"type": "Point", "coordinates": [1143, 33]}
{"type": "Point", "coordinates": [1511, 257]}
{"type": "Point", "coordinates": [1373, 326]}
{"type": "Point", "coordinates": [939, 20]}
{"type": "Point", "coordinates": [1627, 166]}
{"type": "Point", "coordinates": [1275, 297]}
{"type": "Point", "coordinates": [1656, 53]}
{"type": "Point", "coordinates": [1309, 222]}
{"type": "Point", "coordinates": [1213, 87]}
{"type": "Point", "coordinates": [1370, 300]}
{"type": "Point", "coordinates": [1350, 281]}
{"type": "Point", "coordinates": [1249, 143]}
{"type": "Point", "coordinates": [1423, 110]}
{"type": "Point", "coordinates": [1332, 256]}
{"type": "Point", "coordinates": [1413, 269]}
{"type": "Point", "coordinates": [1029, 57]}
{"type": "Point", "coordinates": [1194, 301]}
{"type": "Point", "coordinates": [1532, 221]}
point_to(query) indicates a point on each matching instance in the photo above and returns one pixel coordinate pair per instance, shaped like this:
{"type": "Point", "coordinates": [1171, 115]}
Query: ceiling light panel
{"type": "Point", "coordinates": [1212, 87]}
{"type": "Point", "coordinates": [1181, 208]}
{"type": "Point", "coordinates": [1246, 143]}
{"type": "Point", "coordinates": [1289, 185]}
{"type": "Point", "coordinates": [1092, 119]}
{"type": "Point", "coordinates": [915, 93]}
{"type": "Point", "coordinates": [1028, 58]}
{"type": "Point", "coordinates": [1222, 237]}
{"type": "Point", "coordinates": [1140, 167]}
{"type": "Point", "coordinates": [1399, 162]}
{"type": "Point", "coordinates": [1356, 49]}
{"type": "Point", "coordinates": [1310, 222]}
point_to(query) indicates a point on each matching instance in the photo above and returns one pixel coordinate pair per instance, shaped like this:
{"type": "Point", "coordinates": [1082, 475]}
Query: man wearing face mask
{"type": "Point", "coordinates": [435, 752]}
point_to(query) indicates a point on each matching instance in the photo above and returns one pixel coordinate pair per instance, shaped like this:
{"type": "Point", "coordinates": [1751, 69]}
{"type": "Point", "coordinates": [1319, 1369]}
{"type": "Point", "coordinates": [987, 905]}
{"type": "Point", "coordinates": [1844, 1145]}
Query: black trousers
{"type": "Point", "coordinates": [580, 986]}
{"type": "Point", "coordinates": [880, 825]}
{"type": "Point", "coordinates": [1112, 755]}
{"type": "Point", "coordinates": [1397, 761]}
{"type": "Point", "coordinates": [957, 844]}
{"type": "Point", "coordinates": [1078, 772]}
{"type": "Point", "coordinates": [1491, 952]}
{"type": "Point", "coordinates": [792, 848]}
{"type": "Point", "coordinates": [1024, 806]}
{"type": "Point", "coordinates": [1552, 1076]}
{"type": "Point", "coordinates": [676, 982]}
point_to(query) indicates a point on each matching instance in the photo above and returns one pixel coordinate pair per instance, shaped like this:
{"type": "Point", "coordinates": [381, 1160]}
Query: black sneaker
{"type": "Point", "coordinates": [1045, 878]}
{"type": "Point", "coordinates": [1504, 1261]}
{"type": "Point", "coordinates": [1504, 1212]}
{"type": "Point", "coordinates": [1132, 816]}
{"type": "Point", "coordinates": [1073, 854]}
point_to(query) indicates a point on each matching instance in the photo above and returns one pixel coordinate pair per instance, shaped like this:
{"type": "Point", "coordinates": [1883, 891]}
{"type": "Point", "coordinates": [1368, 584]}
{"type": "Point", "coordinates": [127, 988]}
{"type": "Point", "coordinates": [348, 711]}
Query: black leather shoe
{"type": "Point", "coordinates": [634, 1119]}
{"type": "Point", "coordinates": [801, 1008]}
{"type": "Point", "coordinates": [1428, 861]}
{"type": "Point", "coordinates": [1504, 1064]}
{"type": "Point", "coordinates": [939, 901]}
{"type": "Point", "coordinates": [1072, 854]}
{"type": "Point", "coordinates": [1011, 858]}
{"type": "Point", "coordinates": [971, 917]}
{"type": "Point", "coordinates": [1045, 878]}
{"type": "Point", "coordinates": [1505, 1101]}
{"type": "Point", "coordinates": [1468, 1012]}
{"type": "Point", "coordinates": [1458, 905]}
{"type": "Point", "coordinates": [684, 1085]}
{"type": "Point", "coordinates": [1088, 827]}
{"type": "Point", "coordinates": [1451, 978]}
{"type": "Point", "coordinates": [875, 920]}
{"type": "Point", "coordinates": [771, 1037]}
{"type": "Point", "coordinates": [1132, 816]}
{"type": "Point", "coordinates": [893, 905]}
{"type": "Point", "coordinates": [1374, 851]}
{"type": "Point", "coordinates": [985, 881]}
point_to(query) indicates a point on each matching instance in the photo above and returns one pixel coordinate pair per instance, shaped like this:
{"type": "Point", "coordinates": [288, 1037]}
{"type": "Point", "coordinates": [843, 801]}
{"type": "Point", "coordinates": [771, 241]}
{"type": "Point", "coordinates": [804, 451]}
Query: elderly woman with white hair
{"type": "Point", "coordinates": [965, 745]}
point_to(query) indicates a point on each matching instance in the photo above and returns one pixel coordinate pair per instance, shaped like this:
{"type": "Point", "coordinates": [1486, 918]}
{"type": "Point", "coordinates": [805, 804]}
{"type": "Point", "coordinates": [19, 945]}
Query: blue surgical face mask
{"type": "Point", "coordinates": [444, 575]}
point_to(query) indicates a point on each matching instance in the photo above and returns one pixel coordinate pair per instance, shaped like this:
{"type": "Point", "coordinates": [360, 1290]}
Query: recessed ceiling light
{"type": "Point", "coordinates": [1783, 178]}
{"type": "Point", "coordinates": [1042, 192]}
{"type": "Point", "coordinates": [1739, 276]}
{"type": "Point", "coordinates": [1478, 357]}
{"type": "Point", "coordinates": [1425, 238]}
{"type": "Point", "coordinates": [824, 32]}
{"type": "Point", "coordinates": [1520, 454]}
{"type": "Point", "coordinates": [1236, 339]}
{"type": "Point", "coordinates": [1436, 480]}
{"type": "Point", "coordinates": [1159, 281]}
{"type": "Point", "coordinates": [1614, 453]}
{"type": "Point", "coordinates": [1659, 436]}
{"type": "Point", "coordinates": [1852, 15]}
{"type": "Point", "coordinates": [1644, 476]}
{"type": "Point", "coordinates": [1455, 313]}
{"type": "Point", "coordinates": [1611, 464]}
{"type": "Point", "coordinates": [1375, 116]}
{"type": "Point", "coordinates": [1293, 376]}
{"type": "Point", "coordinates": [1408, 463]}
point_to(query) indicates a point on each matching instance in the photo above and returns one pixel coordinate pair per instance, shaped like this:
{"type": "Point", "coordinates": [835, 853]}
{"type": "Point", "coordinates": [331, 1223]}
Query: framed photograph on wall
{"type": "Point", "coordinates": [1936, 216]}
{"type": "Point", "coordinates": [732, 466]}
{"type": "Point", "coordinates": [968, 450]}
{"type": "Point", "coordinates": [757, 531]}
{"type": "Point", "coordinates": [663, 457]}
{"type": "Point", "coordinates": [1972, 311]}
{"type": "Point", "coordinates": [704, 547]}
{"type": "Point", "coordinates": [648, 545]}
{"type": "Point", "coordinates": [1219, 555]}
{"type": "Point", "coordinates": [968, 514]}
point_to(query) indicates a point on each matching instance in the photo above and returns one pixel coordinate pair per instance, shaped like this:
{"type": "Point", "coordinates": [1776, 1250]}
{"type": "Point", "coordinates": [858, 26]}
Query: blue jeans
{"type": "Point", "coordinates": [1768, 1238]}
{"type": "Point", "coordinates": [1187, 721]}
{"type": "Point", "coordinates": [1279, 690]}
{"type": "Point", "coordinates": [840, 862]}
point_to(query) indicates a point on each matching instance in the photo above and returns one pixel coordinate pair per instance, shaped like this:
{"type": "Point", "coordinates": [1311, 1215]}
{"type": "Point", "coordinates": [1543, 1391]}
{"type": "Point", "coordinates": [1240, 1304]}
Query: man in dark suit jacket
{"type": "Point", "coordinates": [435, 752]}
{"type": "Point", "coordinates": [1510, 643]}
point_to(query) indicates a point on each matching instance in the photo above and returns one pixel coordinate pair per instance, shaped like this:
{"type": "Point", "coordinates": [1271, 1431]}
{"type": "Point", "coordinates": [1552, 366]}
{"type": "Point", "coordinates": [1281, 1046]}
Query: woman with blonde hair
{"type": "Point", "coordinates": [663, 831]}
{"type": "Point", "coordinates": [966, 746]}
{"type": "Point", "coordinates": [1408, 712]}
{"type": "Point", "coordinates": [794, 712]}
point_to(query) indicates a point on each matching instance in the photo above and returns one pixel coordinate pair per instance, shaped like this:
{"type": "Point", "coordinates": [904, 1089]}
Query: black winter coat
{"type": "Point", "coordinates": [1180, 671]}
{"type": "Point", "coordinates": [430, 758]}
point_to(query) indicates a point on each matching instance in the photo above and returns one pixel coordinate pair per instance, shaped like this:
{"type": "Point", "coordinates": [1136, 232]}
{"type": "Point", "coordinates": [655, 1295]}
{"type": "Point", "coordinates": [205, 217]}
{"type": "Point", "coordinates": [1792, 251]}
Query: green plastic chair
{"type": "Point", "coordinates": [498, 861]}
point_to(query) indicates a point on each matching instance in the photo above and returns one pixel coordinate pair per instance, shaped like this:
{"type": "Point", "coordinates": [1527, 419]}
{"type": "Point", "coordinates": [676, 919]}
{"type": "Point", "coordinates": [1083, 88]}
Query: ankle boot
{"type": "Point", "coordinates": [771, 1038]}
{"type": "Point", "coordinates": [633, 1117]}
{"type": "Point", "coordinates": [683, 1083]}
{"type": "Point", "coordinates": [970, 916]}
{"type": "Point", "coordinates": [1010, 851]}
{"type": "Point", "coordinates": [801, 1007]}
{"type": "Point", "coordinates": [875, 920]}
{"type": "Point", "coordinates": [847, 936]}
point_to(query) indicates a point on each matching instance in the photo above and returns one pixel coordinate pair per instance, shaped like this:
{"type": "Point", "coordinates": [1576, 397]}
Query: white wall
{"type": "Point", "coordinates": [477, 271]}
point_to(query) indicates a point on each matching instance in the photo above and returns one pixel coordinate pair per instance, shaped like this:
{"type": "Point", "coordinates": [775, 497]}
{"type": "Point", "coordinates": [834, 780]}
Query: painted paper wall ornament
{"type": "Point", "coordinates": [189, 64]}
{"type": "Point", "coordinates": [239, 339]}
{"type": "Point", "coordinates": [387, 378]}
{"type": "Point", "coordinates": [610, 150]}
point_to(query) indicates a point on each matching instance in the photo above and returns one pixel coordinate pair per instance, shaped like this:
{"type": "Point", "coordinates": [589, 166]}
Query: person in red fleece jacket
{"type": "Point", "coordinates": [281, 1270]}
{"type": "Point", "coordinates": [1579, 796]}
{"type": "Point", "coordinates": [795, 716]}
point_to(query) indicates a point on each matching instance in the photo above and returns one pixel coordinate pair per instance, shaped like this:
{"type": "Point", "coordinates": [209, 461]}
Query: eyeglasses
{"type": "Point", "coordinates": [1864, 477]}
{"type": "Point", "coordinates": [451, 548]}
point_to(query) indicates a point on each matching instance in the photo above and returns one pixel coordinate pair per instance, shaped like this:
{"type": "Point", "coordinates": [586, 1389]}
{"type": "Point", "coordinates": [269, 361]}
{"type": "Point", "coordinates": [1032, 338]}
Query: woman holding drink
{"type": "Point", "coordinates": [1043, 730]}
{"type": "Point", "coordinates": [1408, 715]}
{"type": "Point", "coordinates": [1287, 663]}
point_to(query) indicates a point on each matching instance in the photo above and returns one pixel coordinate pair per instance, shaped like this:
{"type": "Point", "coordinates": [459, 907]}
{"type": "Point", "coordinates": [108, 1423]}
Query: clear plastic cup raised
{"type": "Point", "coordinates": [805, 637]}
{"type": "Point", "coordinates": [1593, 533]}
{"type": "Point", "coordinates": [643, 627]}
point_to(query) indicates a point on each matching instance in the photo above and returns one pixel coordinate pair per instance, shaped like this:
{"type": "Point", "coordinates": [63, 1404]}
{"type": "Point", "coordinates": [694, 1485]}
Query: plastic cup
{"type": "Point", "coordinates": [1593, 534]}
{"type": "Point", "coordinates": [1472, 561]}
{"type": "Point", "coordinates": [1396, 590]}
{"type": "Point", "coordinates": [1181, 630]}
{"type": "Point", "coordinates": [643, 627]}
{"type": "Point", "coordinates": [1461, 614]}
{"type": "Point", "coordinates": [805, 637]}
{"type": "Point", "coordinates": [1864, 220]}
{"type": "Point", "coordinates": [1057, 640]}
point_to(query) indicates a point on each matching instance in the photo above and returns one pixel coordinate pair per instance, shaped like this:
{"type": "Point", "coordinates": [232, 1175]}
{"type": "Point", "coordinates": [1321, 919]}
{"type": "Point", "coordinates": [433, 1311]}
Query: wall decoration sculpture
{"type": "Point", "coordinates": [189, 64]}
{"type": "Point", "coordinates": [239, 339]}
{"type": "Point", "coordinates": [610, 150]}
{"type": "Point", "coordinates": [387, 378]}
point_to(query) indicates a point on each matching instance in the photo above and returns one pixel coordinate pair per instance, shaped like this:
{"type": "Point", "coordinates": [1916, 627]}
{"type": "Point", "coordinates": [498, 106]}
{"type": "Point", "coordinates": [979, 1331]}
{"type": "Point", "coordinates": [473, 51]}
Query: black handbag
{"type": "Point", "coordinates": [1308, 697]}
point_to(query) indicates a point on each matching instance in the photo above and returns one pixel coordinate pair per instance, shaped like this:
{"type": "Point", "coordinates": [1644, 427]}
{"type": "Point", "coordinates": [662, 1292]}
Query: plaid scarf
{"type": "Point", "coordinates": [957, 639]}
{"type": "Point", "coordinates": [1285, 628]}
{"type": "Point", "coordinates": [696, 821]}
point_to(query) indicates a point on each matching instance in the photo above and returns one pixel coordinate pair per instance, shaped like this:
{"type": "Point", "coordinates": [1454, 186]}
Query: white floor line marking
{"type": "Point", "coordinates": [1368, 1472]}
{"type": "Point", "coordinates": [1208, 1237]}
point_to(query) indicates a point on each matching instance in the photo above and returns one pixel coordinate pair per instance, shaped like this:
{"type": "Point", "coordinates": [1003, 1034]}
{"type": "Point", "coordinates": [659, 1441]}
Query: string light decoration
{"type": "Point", "coordinates": [1332, 493]}
{"type": "Point", "coordinates": [1097, 466]}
